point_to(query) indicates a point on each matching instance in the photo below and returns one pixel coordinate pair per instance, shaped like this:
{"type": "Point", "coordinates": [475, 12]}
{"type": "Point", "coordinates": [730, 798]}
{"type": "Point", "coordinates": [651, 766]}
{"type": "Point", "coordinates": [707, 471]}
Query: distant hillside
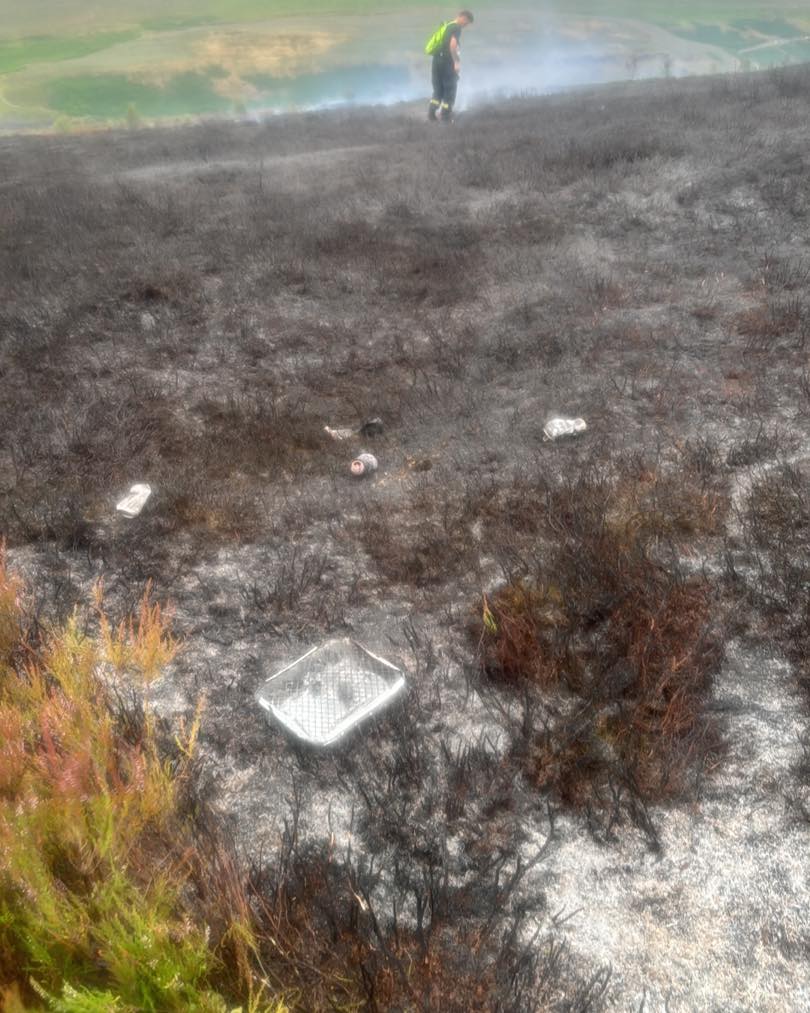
{"type": "Point", "coordinates": [77, 65]}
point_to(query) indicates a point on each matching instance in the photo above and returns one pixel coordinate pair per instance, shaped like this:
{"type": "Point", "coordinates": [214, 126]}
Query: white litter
{"type": "Point", "coordinates": [555, 428]}
{"type": "Point", "coordinates": [329, 690]}
{"type": "Point", "coordinates": [132, 504]}
{"type": "Point", "coordinates": [363, 464]}
{"type": "Point", "coordinates": [339, 434]}
{"type": "Point", "coordinates": [371, 427]}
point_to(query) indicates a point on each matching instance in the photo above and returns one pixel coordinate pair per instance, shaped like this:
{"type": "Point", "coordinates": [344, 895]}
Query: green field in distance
{"type": "Point", "coordinates": [93, 61]}
{"type": "Point", "coordinates": [57, 18]}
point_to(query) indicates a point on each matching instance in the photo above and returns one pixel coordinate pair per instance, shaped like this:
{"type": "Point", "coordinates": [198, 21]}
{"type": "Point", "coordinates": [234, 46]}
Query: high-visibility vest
{"type": "Point", "coordinates": [434, 43]}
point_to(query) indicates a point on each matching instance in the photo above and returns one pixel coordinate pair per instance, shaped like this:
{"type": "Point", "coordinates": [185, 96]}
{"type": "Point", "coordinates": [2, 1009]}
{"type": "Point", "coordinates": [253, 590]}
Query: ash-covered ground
{"type": "Point", "coordinates": [594, 794]}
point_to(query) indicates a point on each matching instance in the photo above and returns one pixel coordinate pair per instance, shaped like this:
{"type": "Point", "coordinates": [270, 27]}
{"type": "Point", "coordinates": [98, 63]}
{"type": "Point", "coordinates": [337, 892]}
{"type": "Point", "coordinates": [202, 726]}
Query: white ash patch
{"type": "Point", "coordinates": [718, 919]}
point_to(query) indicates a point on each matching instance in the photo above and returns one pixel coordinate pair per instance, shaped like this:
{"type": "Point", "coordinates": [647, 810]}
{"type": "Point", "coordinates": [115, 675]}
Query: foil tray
{"type": "Point", "coordinates": [329, 691]}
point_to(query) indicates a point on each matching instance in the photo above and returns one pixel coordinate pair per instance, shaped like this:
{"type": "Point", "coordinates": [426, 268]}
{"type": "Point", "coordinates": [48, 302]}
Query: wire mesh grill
{"type": "Point", "coordinates": [328, 691]}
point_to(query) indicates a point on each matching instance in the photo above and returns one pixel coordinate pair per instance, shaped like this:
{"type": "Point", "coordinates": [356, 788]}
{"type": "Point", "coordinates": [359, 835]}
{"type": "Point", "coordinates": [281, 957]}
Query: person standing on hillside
{"type": "Point", "coordinates": [443, 46]}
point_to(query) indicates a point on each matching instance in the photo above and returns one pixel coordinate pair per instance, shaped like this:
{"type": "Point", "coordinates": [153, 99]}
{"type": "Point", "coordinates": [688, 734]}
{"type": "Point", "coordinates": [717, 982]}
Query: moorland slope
{"type": "Point", "coordinates": [596, 783]}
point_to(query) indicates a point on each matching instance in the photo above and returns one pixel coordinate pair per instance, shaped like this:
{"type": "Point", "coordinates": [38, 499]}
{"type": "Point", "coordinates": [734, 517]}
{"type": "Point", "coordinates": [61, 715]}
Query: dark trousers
{"type": "Point", "coordinates": [445, 86]}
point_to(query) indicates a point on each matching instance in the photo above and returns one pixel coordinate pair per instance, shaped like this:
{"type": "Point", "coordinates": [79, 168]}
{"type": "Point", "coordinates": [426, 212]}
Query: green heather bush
{"type": "Point", "coordinates": [95, 858]}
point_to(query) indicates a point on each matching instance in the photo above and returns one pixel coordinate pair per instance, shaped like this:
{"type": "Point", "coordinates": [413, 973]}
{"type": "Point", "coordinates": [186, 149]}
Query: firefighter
{"type": "Point", "coordinates": [443, 46]}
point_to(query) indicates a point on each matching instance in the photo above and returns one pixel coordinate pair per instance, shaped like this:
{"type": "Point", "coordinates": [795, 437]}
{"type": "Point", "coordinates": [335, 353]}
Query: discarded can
{"type": "Point", "coordinates": [555, 428]}
{"type": "Point", "coordinates": [363, 464]}
{"type": "Point", "coordinates": [132, 504]}
{"type": "Point", "coordinates": [328, 691]}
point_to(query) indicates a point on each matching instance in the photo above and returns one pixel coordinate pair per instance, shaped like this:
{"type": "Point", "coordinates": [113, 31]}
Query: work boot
{"type": "Point", "coordinates": [434, 105]}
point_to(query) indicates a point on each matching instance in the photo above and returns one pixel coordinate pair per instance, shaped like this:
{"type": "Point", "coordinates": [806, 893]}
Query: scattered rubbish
{"type": "Point", "coordinates": [372, 427]}
{"type": "Point", "coordinates": [330, 690]}
{"type": "Point", "coordinates": [132, 504]}
{"type": "Point", "coordinates": [363, 464]}
{"type": "Point", "coordinates": [555, 428]}
{"type": "Point", "coordinates": [419, 463]}
{"type": "Point", "coordinates": [339, 434]}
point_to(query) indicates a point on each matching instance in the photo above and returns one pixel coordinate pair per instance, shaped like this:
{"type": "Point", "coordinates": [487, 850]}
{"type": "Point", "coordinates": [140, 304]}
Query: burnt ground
{"type": "Point", "coordinates": [605, 774]}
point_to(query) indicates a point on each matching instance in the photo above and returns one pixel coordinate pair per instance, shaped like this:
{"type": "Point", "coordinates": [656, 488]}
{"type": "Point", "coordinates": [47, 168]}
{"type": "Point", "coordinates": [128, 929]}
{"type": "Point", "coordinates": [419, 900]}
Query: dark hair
{"type": "Point", "coordinates": [466, 14]}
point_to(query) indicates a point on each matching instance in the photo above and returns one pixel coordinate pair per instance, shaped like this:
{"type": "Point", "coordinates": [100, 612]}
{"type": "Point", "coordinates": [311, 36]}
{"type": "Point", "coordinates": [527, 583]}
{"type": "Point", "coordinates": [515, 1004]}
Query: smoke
{"type": "Point", "coordinates": [534, 56]}
{"type": "Point", "coordinates": [483, 80]}
{"type": "Point", "coordinates": [546, 67]}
